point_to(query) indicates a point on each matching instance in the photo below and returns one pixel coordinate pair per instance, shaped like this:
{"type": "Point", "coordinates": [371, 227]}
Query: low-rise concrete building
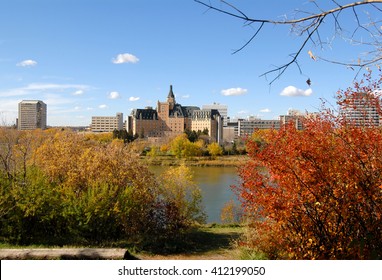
{"type": "Point", "coordinates": [107, 123]}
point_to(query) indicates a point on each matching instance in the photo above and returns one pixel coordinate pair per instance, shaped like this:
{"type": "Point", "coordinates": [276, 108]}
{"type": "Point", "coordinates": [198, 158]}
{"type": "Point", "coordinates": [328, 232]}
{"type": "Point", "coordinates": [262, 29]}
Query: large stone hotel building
{"type": "Point", "coordinates": [170, 119]}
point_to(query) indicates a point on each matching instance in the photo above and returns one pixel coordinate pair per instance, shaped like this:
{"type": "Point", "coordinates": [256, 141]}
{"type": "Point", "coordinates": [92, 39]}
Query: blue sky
{"type": "Point", "coordinates": [96, 58]}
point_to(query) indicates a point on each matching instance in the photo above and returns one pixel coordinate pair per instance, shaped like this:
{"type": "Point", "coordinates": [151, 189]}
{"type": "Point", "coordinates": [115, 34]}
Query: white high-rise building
{"type": "Point", "coordinates": [362, 109]}
{"type": "Point", "coordinates": [32, 115]}
{"type": "Point", "coordinates": [222, 109]}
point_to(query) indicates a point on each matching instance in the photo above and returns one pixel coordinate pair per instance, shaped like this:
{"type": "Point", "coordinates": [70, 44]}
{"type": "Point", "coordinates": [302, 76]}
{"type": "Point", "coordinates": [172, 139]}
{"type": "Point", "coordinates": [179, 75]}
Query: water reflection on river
{"type": "Point", "coordinates": [215, 184]}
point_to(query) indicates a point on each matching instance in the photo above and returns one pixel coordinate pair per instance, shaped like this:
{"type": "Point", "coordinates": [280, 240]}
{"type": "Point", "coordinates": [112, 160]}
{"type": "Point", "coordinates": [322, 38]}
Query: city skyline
{"type": "Point", "coordinates": [222, 108]}
{"type": "Point", "coordinates": [87, 58]}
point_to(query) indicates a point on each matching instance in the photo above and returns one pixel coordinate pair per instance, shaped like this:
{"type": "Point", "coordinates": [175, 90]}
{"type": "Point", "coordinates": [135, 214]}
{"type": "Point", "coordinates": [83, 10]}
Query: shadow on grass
{"type": "Point", "coordinates": [86, 255]}
{"type": "Point", "coordinates": [197, 241]}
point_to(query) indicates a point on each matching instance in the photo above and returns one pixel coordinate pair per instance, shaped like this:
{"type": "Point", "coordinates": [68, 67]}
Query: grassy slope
{"type": "Point", "coordinates": [206, 243]}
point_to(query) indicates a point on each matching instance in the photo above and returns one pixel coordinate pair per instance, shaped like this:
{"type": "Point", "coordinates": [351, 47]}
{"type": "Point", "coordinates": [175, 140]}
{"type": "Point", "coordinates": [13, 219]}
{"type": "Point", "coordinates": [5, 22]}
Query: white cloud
{"type": "Point", "coordinates": [125, 58]}
{"type": "Point", "coordinates": [293, 91]}
{"type": "Point", "coordinates": [56, 96]}
{"type": "Point", "coordinates": [40, 87]}
{"type": "Point", "coordinates": [243, 112]}
{"type": "Point", "coordinates": [132, 98]}
{"type": "Point", "coordinates": [78, 92]}
{"type": "Point", "coordinates": [53, 99]}
{"type": "Point", "coordinates": [234, 91]}
{"type": "Point", "coordinates": [186, 96]}
{"type": "Point", "coordinates": [27, 63]}
{"type": "Point", "coordinates": [114, 95]}
{"type": "Point", "coordinates": [266, 110]}
{"type": "Point", "coordinates": [103, 106]}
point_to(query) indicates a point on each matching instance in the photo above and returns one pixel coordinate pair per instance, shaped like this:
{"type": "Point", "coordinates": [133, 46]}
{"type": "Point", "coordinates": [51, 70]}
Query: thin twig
{"type": "Point", "coordinates": [282, 69]}
{"type": "Point", "coordinates": [308, 24]}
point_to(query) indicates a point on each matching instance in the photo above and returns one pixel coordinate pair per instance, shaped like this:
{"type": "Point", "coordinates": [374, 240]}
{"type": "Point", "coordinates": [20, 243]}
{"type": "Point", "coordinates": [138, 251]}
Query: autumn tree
{"type": "Point", "coordinates": [231, 213]}
{"type": "Point", "coordinates": [316, 193]}
{"type": "Point", "coordinates": [314, 23]}
{"type": "Point", "coordinates": [24, 196]}
{"type": "Point", "coordinates": [181, 147]}
{"type": "Point", "coordinates": [16, 149]}
{"type": "Point", "coordinates": [68, 188]}
{"type": "Point", "coordinates": [105, 190]}
{"type": "Point", "coordinates": [8, 141]}
{"type": "Point", "coordinates": [214, 149]}
{"type": "Point", "coordinates": [183, 196]}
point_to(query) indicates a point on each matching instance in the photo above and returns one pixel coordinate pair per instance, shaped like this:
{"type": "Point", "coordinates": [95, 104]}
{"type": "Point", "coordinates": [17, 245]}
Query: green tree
{"type": "Point", "coordinates": [127, 137]}
{"type": "Point", "coordinates": [192, 135]}
{"type": "Point", "coordinates": [234, 148]}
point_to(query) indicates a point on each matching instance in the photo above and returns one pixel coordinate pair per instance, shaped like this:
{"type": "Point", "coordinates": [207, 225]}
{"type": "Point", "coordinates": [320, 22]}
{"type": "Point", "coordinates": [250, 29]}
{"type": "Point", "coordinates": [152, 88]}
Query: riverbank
{"type": "Point", "coordinates": [221, 161]}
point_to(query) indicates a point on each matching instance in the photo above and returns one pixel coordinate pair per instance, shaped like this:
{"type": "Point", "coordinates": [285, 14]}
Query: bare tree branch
{"type": "Point", "coordinates": [250, 40]}
{"type": "Point", "coordinates": [282, 68]}
{"type": "Point", "coordinates": [350, 65]}
{"type": "Point", "coordinates": [308, 26]}
{"type": "Point", "coordinates": [242, 16]}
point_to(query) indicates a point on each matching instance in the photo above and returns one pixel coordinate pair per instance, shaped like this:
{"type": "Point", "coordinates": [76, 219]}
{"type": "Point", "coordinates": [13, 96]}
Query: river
{"type": "Point", "coordinates": [214, 183]}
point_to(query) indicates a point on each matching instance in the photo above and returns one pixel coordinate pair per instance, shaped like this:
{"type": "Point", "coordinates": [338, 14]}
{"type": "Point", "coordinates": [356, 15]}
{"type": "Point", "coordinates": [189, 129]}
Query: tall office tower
{"type": "Point", "coordinates": [223, 110]}
{"type": "Point", "coordinates": [32, 115]}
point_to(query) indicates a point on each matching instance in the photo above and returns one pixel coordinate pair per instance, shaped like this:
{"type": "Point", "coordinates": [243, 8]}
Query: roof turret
{"type": "Point", "coordinates": [171, 94]}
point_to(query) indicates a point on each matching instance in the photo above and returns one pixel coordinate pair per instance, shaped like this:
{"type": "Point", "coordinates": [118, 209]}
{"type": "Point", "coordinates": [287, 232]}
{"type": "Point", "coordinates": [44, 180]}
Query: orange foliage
{"type": "Point", "coordinates": [315, 194]}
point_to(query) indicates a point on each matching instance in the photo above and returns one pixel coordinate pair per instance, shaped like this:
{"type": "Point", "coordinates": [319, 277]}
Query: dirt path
{"type": "Point", "coordinates": [65, 253]}
{"type": "Point", "coordinates": [104, 254]}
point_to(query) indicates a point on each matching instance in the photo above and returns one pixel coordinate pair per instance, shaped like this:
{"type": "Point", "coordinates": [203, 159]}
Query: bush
{"type": "Point", "coordinates": [76, 190]}
{"type": "Point", "coordinates": [316, 193]}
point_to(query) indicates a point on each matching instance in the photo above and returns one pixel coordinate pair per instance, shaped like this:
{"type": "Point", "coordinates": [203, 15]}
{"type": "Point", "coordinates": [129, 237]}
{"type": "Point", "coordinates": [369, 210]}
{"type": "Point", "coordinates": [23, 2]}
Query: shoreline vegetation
{"type": "Point", "coordinates": [220, 161]}
{"type": "Point", "coordinates": [68, 189]}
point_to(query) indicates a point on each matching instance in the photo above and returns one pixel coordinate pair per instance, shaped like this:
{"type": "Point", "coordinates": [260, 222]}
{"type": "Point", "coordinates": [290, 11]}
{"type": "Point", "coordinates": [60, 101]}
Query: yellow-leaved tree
{"type": "Point", "coordinates": [214, 149]}
{"type": "Point", "coordinates": [74, 189]}
{"type": "Point", "coordinates": [182, 196]}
